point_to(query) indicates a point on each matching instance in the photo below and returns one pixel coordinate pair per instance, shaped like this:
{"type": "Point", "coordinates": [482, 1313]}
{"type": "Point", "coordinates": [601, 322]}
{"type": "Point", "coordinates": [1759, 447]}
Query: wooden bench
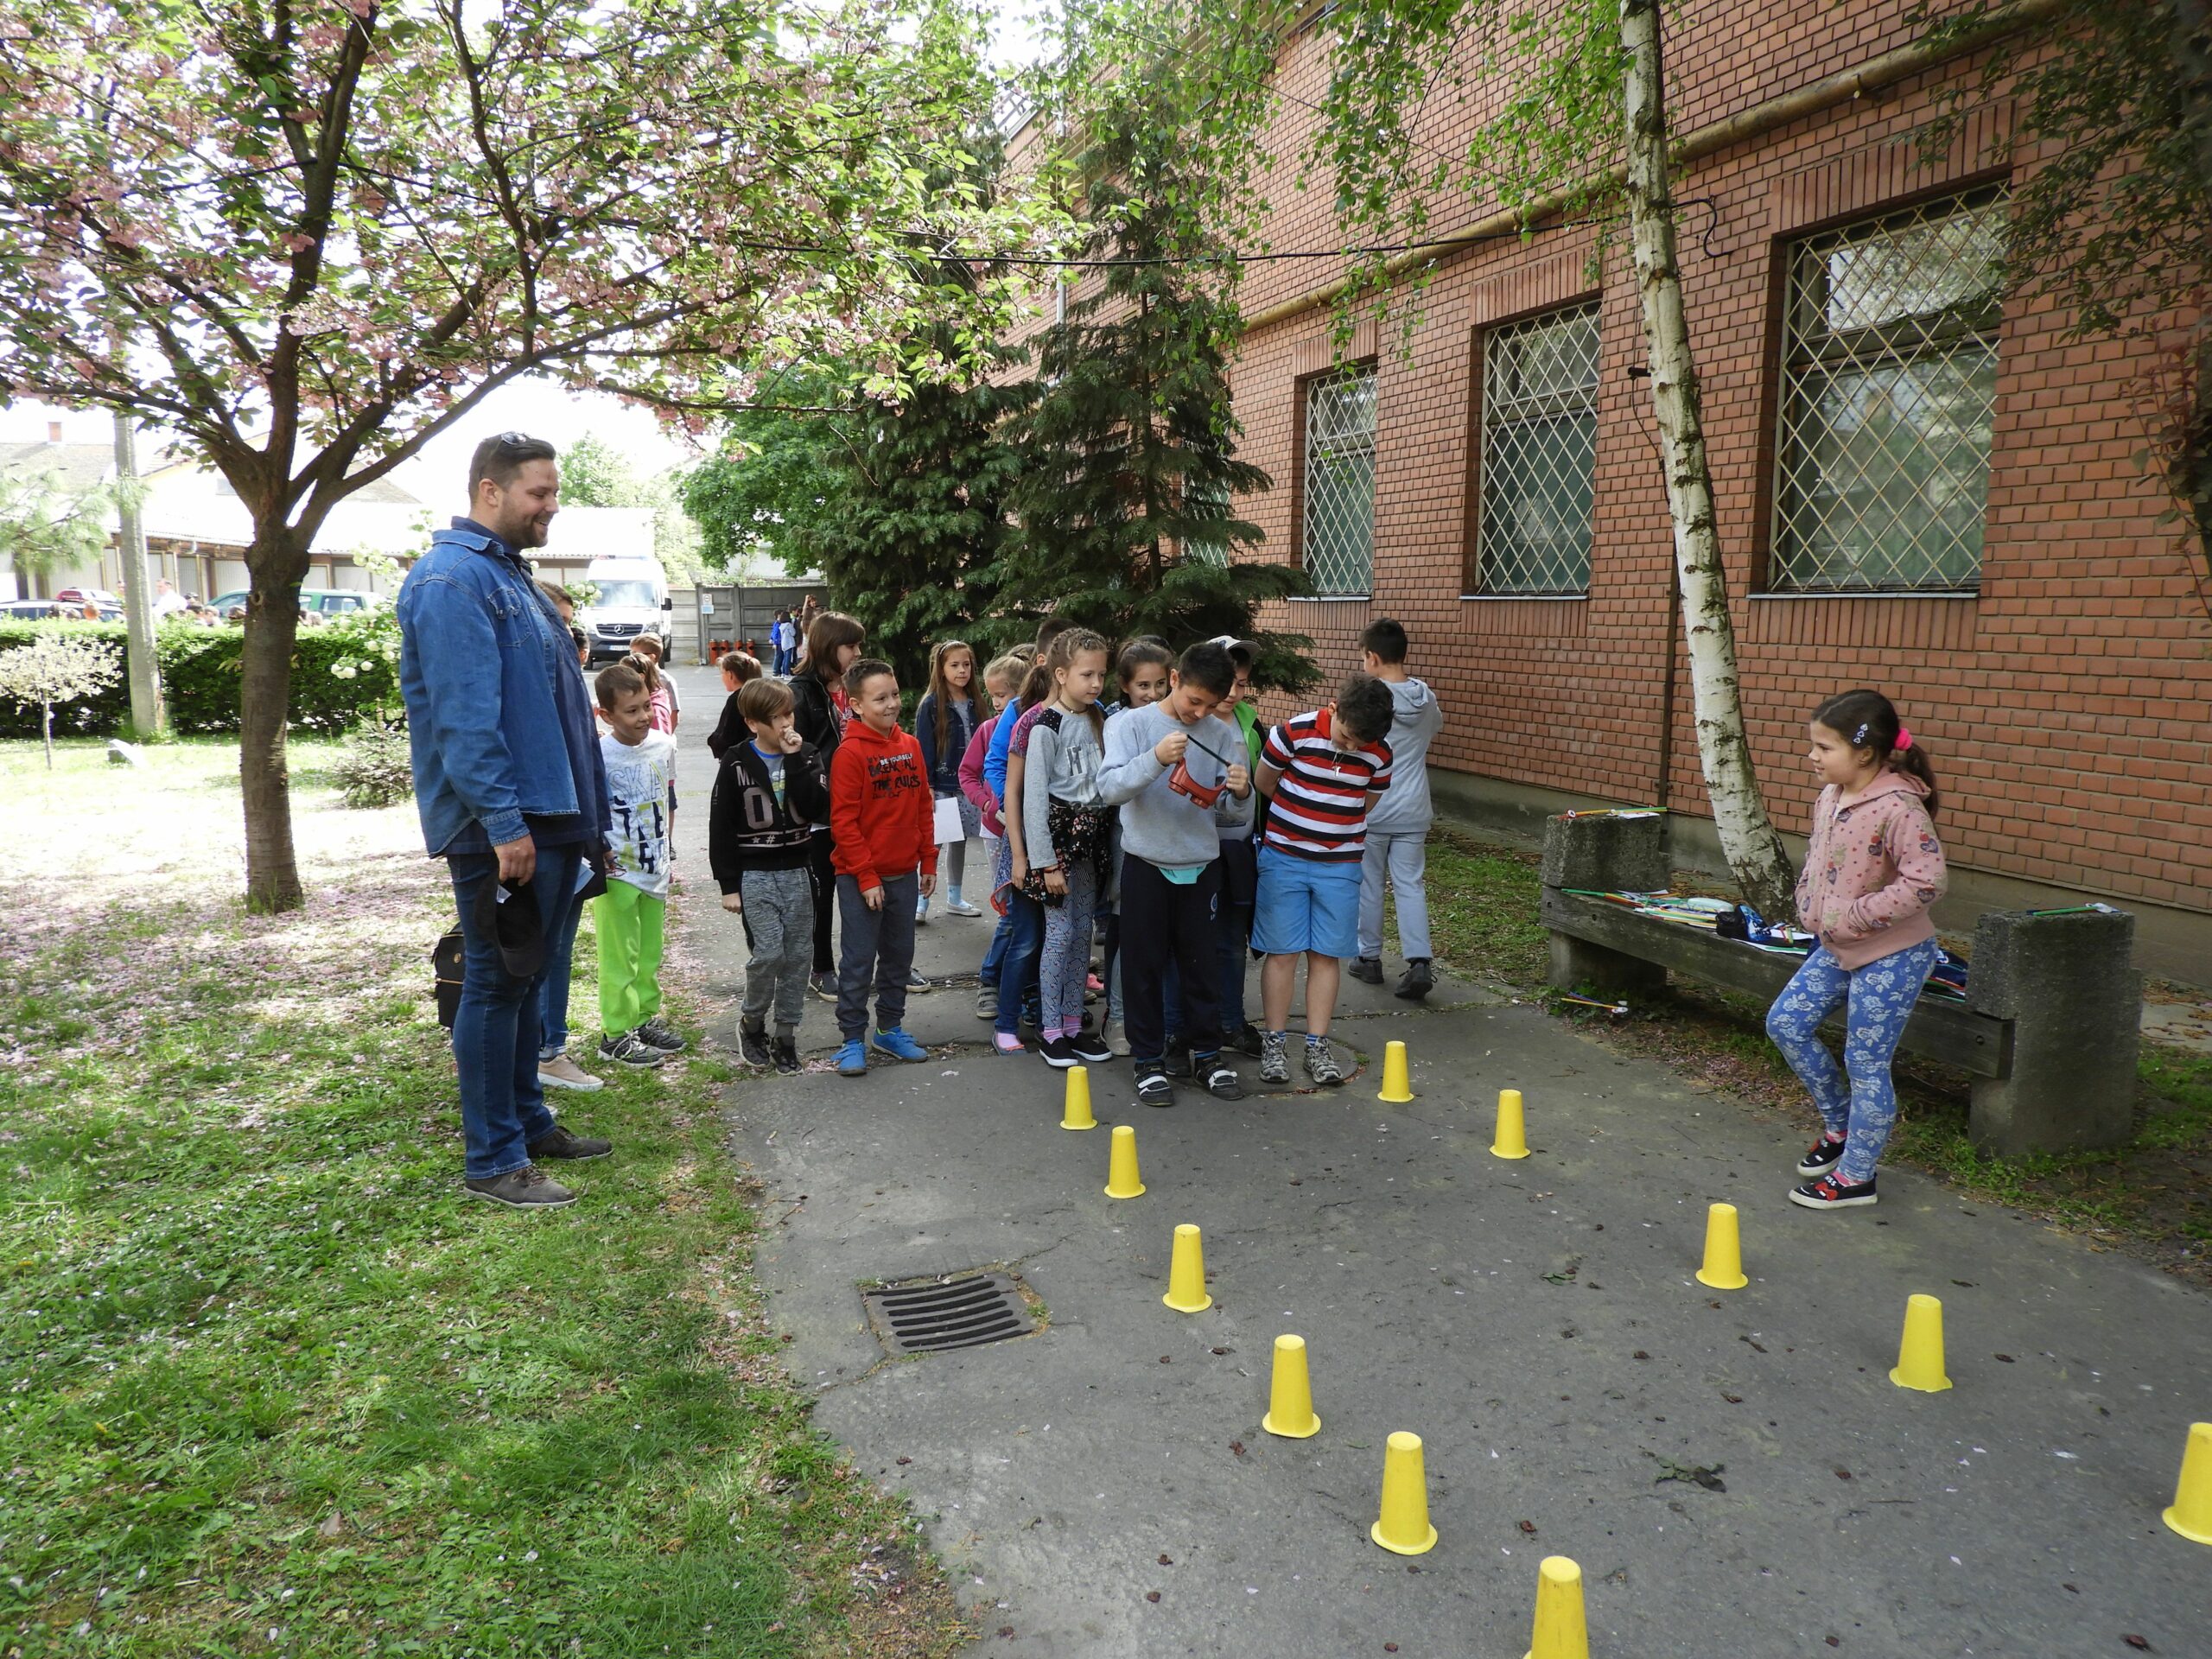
{"type": "Point", "coordinates": [2048, 1031]}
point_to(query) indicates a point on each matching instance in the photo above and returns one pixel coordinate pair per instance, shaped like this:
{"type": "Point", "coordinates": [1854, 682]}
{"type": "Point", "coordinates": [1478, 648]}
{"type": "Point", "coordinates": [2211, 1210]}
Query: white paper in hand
{"type": "Point", "coordinates": [948, 820]}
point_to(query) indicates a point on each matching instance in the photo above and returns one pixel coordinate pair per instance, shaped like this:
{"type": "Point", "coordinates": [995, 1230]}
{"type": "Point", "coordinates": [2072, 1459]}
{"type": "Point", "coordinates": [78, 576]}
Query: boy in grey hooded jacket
{"type": "Point", "coordinates": [1397, 825]}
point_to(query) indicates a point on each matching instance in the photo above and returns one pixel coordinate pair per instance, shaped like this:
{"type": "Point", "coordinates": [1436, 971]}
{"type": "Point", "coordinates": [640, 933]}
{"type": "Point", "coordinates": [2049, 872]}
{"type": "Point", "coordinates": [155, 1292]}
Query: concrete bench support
{"type": "Point", "coordinates": [1604, 854]}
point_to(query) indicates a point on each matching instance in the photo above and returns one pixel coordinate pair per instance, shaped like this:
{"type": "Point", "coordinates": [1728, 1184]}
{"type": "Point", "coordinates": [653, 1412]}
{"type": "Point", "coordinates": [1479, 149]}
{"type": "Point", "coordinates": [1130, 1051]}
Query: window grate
{"type": "Point", "coordinates": [1339, 505]}
{"type": "Point", "coordinates": [1539, 449]}
{"type": "Point", "coordinates": [1889, 385]}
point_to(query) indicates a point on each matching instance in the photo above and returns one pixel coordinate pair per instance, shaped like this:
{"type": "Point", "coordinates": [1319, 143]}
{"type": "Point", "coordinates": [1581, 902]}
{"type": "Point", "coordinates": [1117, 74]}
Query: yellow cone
{"type": "Point", "coordinates": [1403, 1527]}
{"type": "Point", "coordinates": [2191, 1513]}
{"type": "Point", "coordinates": [1920, 1355]}
{"type": "Point", "coordinates": [1724, 1250]}
{"type": "Point", "coordinates": [1396, 1088]}
{"type": "Point", "coordinates": [1561, 1630]}
{"type": "Point", "coordinates": [1077, 1113]}
{"type": "Point", "coordinates": [1290, 1399]}
{"type": "Point", "coordinates": [1512, 1132]}
{"type": "Point", "coordinates": [1186, 1274]}
{"type": "Point", "coordinates": [1121, 1180]}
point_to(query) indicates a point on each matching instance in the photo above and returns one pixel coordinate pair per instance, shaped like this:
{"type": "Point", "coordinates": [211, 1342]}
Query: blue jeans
{"type": "Point", "coordinates": [553, 995]}
{"type": "Point", "coordinates": [1880, 997]}
{"type": "Point", "coordinates": [1236, 944]}
{"type": "Point", "coordinates": [495, 1030]}
{"type": "Point", "coordinates": [1024, 946]}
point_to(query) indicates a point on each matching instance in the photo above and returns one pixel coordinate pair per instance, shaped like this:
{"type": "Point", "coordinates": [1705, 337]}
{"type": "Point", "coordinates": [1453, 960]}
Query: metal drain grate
{"type": "Point", "coordinates": [934, 1314]}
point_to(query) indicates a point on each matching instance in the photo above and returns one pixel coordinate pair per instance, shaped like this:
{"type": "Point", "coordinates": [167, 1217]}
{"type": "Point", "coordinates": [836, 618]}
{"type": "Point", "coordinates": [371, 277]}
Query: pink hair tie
{"type": "Point", "coordinates": [1905, 740]}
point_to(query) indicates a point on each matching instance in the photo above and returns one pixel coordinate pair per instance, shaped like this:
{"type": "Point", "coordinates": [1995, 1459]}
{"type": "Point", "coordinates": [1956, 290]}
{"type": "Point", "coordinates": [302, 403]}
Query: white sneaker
{"type": "Point", "coordinates": [561, 1072]}
{"type": "Point", "coordinates": [961, 907]}
{"type": "Point", "coordinates": [1115, 1038]}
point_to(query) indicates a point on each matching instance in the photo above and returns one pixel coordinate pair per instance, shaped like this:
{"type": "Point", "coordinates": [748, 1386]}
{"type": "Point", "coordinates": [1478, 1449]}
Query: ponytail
{"type": "Point", "coordinates": [1867, 720]}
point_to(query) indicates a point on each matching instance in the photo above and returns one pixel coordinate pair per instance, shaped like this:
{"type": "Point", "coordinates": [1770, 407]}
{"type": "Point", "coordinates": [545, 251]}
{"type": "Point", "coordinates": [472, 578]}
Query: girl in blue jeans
{"type": "Point", "coordinates": [1873, 869]}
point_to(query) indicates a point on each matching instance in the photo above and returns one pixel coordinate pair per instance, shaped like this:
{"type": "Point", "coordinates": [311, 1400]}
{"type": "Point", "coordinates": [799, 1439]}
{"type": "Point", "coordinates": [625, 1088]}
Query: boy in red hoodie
{"type": "Point", "coordinates": [882, 826]}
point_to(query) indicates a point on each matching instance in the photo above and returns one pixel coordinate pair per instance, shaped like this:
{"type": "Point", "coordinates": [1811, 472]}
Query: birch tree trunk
{"type": "Point", "coordinates": [1754, 851]}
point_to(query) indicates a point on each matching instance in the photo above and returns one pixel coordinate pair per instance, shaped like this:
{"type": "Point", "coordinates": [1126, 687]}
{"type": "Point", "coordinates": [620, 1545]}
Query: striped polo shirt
{"type": "Point", "coordinates": [1319, 809]}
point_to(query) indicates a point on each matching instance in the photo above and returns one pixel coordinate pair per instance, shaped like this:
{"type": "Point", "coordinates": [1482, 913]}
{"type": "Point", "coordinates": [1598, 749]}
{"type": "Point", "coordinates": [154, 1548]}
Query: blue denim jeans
{"type": "Point", "coordinates": [495, 1030]}
{"type": "Point", "coordinates": [553, 995]}
{"type": "Point", "coordinates": [1878, 1000]}
{"type": "Point", "coordinates": [1018, 966]}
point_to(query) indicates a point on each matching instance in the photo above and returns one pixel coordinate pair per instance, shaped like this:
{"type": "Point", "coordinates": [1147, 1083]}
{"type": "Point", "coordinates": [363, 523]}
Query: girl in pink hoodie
{"type": "Point", "coordinates": [1873, 870]}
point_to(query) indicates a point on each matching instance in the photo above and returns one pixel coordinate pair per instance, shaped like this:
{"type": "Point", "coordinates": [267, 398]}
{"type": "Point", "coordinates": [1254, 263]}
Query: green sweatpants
{"type": "Point", "coordinates": [629, 923]}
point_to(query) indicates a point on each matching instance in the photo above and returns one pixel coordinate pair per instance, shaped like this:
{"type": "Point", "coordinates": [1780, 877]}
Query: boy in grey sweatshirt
{"type": "Point", "coordinates": [1171, 867]}
{"type": "Point", "coordinates": [1397, 825]}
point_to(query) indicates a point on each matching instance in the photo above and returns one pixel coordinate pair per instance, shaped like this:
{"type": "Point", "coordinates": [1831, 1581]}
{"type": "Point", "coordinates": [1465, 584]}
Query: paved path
{"type": "Point", "coordinates": [1534, 1322]}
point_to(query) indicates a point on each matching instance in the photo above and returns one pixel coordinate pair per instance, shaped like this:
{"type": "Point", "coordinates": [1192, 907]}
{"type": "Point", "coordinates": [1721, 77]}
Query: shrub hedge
{"type": "Point", "coordinates": [343, 673]}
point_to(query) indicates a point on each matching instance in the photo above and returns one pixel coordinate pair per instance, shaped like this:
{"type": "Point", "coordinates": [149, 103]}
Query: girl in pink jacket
{"type": "Point", "coordinates": [1873, 870]}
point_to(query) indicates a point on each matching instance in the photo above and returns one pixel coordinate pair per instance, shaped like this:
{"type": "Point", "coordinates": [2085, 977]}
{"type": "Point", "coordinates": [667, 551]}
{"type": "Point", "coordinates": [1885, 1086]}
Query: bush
{"type": "Point", "coordinates": [372, 769]}
{"type": "Point", "coordinates": [343, 673]}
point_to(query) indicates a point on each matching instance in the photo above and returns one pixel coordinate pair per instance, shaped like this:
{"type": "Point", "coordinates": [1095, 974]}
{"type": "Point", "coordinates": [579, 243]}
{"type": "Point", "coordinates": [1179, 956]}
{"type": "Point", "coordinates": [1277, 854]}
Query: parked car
{"type": "Point", "coordinates": [45, 610]}
{"type": "Point", "coordinates": [329, 601]}
{"type": "Point", "coordinates": [99, 596]}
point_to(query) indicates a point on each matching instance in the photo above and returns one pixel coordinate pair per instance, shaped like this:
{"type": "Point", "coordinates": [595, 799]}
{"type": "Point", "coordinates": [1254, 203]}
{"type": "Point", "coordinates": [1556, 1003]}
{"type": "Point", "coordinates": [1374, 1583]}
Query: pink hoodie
{"type": "Point", "coordinates": [1871, 872]}
{"type": "Point", "coordinates": [971, 777]}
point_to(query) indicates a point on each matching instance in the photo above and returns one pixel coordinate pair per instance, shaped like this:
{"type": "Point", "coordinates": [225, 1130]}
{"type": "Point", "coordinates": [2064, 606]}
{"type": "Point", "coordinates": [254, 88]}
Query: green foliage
{"type": "Point", "coordinates": [374, 768]}
{"type": "Point", "coordinates": [45, 526]}
{"type": "Point", "coordinates": [766, 490]}
{"type": "Point", "coordinates": [595, 473]}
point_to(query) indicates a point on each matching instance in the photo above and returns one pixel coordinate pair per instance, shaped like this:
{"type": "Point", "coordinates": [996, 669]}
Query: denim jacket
{"type": "Point", "coordinates": [479, 649]}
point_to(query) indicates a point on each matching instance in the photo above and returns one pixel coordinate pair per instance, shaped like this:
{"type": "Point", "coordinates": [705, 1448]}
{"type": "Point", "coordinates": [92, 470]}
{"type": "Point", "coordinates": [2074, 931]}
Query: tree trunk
{"type": "Point", "coordinates": [1754, 851]}
{"type": "Point", "coordinates": [46, 726]}
{"type": "Point", "coordinates": [276, 566]}
{"type": "Point", "coordinates": [147, 718]}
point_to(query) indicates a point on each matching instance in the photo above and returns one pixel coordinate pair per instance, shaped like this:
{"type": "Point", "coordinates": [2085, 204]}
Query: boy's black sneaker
{"type": "Point", "coordinates": [823, 984]}
{"type": "Point", "coordinates": [1178, 1063]}
{"type": "Point", "coordinates": [1367, 970]}
{"type": "Point", "coordinates": [628, 1049]}
{"type": "Point", "coordinates": [657, 1032]}
{"type": "Point", "coordinates": [1152, 1087]}
{"type": "Point", "coordinates": [786, 1053]}
{"type": "Point", "coordinates": [1419, 980]}
{"type": "Point", "coordinates": [1829, 1194]}
{"type": "Point", "coordinates": [1825, 1156]}
{"type": "Point", "coordinates": [753, 1043]}
{"type": "Point", "coordinates": [1059, 1053]}
{"type": "Point", "coordinates": [1245, 1040]}
{"type": "Point", "coordinates": [1222, 1081]}
{"type": "Point", "coordinates": [1091, 1048]}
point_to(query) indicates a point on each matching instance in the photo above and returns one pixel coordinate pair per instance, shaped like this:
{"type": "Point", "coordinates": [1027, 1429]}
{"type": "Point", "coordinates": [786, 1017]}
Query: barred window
{"type": "Point", "coordinates": [1339, 507]}
{"type": "Point", "coordinates": [1204, 499]}
{"type": "Point", "coordinates": [1539, 445]}
{"type": "Point", "coordinates": [1889, 381]}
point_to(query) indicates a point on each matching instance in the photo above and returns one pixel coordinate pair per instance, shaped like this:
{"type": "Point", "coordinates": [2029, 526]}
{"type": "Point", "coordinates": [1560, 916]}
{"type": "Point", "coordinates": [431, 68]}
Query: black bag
{"type": "Point", "coordinates": [446, 964]}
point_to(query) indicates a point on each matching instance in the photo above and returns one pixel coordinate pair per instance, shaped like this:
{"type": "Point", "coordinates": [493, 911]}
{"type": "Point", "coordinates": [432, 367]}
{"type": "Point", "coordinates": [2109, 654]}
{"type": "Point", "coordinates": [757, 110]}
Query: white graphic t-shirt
{"type": "Point", "coordinates": [638, 780]}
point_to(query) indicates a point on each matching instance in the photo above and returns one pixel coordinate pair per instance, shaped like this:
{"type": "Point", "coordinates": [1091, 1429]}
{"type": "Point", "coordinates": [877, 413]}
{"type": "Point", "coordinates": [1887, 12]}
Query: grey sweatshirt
{"type": "Point", "coordinates": [1158, 825]}
{"type": "Point", "coordinates": [1405, 809]}
{"type": "Point", "coordinates": [1062, 765]}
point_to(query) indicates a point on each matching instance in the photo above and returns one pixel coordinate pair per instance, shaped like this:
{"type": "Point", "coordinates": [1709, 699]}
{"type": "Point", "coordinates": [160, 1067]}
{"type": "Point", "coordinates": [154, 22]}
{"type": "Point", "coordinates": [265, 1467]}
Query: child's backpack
{"type": "Point", "coordinates": [445, 966]}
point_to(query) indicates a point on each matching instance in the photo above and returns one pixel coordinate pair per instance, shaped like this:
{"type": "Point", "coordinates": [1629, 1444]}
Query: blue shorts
{"type": "Point", "coordinates": [1304, 904]}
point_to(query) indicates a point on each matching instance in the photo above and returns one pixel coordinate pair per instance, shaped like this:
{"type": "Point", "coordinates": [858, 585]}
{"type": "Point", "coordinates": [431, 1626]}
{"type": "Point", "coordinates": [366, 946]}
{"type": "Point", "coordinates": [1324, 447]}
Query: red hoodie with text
{"type": "Point", "coordinates": [882, 813]}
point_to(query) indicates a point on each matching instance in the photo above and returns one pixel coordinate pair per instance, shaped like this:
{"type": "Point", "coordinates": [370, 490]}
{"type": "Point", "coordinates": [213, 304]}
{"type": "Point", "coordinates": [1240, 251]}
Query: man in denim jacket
{"type": "Point", "coordinates": [510, 789]}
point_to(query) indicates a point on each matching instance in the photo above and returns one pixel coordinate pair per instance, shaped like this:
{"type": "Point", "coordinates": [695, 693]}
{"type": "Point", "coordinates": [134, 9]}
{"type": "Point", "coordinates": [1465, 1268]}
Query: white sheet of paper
{"type": "Point", "coordinates": [948, 821]}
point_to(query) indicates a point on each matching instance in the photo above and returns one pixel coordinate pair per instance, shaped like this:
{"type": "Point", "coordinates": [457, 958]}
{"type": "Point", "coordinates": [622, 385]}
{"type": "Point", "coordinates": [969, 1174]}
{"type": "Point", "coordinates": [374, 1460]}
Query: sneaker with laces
{"type": "Point", "coordinates": [527, 1188]}
{"type": "Point", "coordinates": [987, 1002]}
{"type": "Point", "coordinates": [1091, 1048]}
{"type": "Point", "coordinates": [1321, 1064]}
{"type": "Point", "coordinates": [823, 984]}
{"type": "Point", "coordinates": [626, 1049]}
{"type": "Point", "coordinates": [1420, 980]}
{"type": "Point", "coordinates": [1116, 1036]}
{"type": "Point", "coordinates": [1824, 1156]}
{"type": "Point", "coordinates": [961, 907]}
{"type": "Point", "coordinates": [561, 1072]}
{"type": "Point", "coordinates": [1829, 1194]}
{"type": "Point", "coordinates": [1152, 1087]}
{"type": "Point", "coordinates": [657, 1032]}
{"type": "Point", "coordinates": [786, 1053]}
{"type": "Point", "coordinates": [852, 1058]}
{"type": "Point", "coordinates": [894, 1041]}
{"type": "Point", "coordinates": [919, 984]}
{"type": "Point", "coordinates": [1367, 970]}
{"type": "Point", "coordinates": [1275, 1058]}
{"type": "Point", "coordinates": [1245, 1040]}
{"type": "Point", "coordinates": [753, 1043]}
{"type": "Point", "coordinates": [1222, 1081]}
{"type": "Point", "coordinates": [1059, 1053]}
{"type": "Point", "coordinates": [557, 1142]}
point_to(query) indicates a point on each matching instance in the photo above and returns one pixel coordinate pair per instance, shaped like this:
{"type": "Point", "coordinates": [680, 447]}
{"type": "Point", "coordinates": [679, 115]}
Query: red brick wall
{"type": "Point", "coordinates": [2064, 707]}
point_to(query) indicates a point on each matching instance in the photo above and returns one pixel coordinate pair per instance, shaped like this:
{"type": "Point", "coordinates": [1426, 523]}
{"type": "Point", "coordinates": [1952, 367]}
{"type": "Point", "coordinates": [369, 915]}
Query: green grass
{"type": "Point", "coordinates": [2155, 1193]}
{"type": "Point", "coordinates": [269, 1386]}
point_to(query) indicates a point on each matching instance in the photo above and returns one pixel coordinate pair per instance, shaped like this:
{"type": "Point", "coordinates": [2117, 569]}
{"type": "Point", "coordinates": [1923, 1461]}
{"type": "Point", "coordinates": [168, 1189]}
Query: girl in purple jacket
{"type": "Point", "coordinates": [1873, 870]}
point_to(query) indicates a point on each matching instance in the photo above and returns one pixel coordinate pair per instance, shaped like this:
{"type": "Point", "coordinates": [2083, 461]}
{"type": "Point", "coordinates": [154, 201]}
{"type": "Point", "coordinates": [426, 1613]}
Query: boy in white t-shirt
{"type": "Point", "coordinates": [630, 914]}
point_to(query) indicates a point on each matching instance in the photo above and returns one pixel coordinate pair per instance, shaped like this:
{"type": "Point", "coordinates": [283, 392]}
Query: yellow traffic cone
{"type": "Point", "coordinates": [1186, 1271]}
{"type": "Point", "coordinates": [1121, 1180]}
{"type": "Point", "coordinates": [1561, 1630]}
{"type": "Point", "coordinates": [1397, 1089]}
{"type": "Point", "coordinates": [1290, 1398]}
{"type": "Point", "coordinates": [1920, 1355]}
{"type": "Point", "coordinates": [1512, 1131]}
{"type": "Point", "coordinates": [1402, 1528]}
{"type": "Point", "coordinates": [1077, 1113]}
{"type": "Point", "coordinates": [1724, 1250]}
{"type": "Point", "coordinates": [2191, 1513]}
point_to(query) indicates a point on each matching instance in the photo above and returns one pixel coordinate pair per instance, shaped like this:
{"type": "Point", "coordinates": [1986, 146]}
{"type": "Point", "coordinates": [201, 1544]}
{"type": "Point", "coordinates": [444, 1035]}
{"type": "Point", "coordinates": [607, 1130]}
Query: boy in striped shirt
{"type": "Point", "coordinates": [1320, 771]}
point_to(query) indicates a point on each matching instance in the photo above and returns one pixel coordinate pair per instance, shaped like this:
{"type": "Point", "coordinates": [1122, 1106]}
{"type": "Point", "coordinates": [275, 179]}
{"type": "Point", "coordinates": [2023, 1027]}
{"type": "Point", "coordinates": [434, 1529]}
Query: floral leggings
{"type": "Point", "coordinates": [1065, 964]}
{"type": "Point", "coordinates": [1880, 997]}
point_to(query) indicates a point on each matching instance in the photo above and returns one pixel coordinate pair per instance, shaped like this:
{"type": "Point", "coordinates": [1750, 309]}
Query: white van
{"type": "Point", "coordinates": [630, 596]}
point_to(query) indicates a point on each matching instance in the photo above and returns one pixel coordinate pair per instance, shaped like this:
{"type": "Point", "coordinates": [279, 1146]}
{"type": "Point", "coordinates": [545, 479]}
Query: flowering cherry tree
{"type": "Point", "coordinates": [306, 236]}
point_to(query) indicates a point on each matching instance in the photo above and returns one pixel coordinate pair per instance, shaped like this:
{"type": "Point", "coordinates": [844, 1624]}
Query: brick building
{"type": "Point", "coordinates": [1920, 486]}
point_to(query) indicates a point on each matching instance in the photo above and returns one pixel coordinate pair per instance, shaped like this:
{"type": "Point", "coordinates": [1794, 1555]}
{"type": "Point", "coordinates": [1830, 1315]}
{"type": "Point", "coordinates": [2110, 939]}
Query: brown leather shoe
{"type": "Point", "coordinates": [557, 1142]}
{"type": "Point", "coordinates": [527, 1188]}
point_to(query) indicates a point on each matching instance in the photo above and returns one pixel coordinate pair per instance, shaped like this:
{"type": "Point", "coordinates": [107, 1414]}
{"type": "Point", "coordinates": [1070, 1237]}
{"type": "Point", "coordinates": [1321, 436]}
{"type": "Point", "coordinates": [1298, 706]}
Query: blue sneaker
{"type": "Point", "coordinates": [852, 1060]}
{"type": "Point", "coordinates": [898, 1046]}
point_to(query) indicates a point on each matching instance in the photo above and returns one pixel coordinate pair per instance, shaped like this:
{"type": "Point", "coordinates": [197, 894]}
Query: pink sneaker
{"type": "Point", "coordinates": [1007, 1042]}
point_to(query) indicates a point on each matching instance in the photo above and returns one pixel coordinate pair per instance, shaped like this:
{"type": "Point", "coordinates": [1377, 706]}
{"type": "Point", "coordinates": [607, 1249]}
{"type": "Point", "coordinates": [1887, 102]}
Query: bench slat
{"type": "Point", "coordinates": [1948, 1032]}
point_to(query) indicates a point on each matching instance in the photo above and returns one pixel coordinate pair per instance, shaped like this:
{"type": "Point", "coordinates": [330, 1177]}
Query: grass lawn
{"type": "Point", "coordinates": [2154, 1195]}
{"type": "Point", "coordinates": [269, 1386]}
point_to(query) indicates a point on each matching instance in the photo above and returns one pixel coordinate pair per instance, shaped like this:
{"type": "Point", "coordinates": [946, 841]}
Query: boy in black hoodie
{"type": "Point", "coordinates": [768, 794]}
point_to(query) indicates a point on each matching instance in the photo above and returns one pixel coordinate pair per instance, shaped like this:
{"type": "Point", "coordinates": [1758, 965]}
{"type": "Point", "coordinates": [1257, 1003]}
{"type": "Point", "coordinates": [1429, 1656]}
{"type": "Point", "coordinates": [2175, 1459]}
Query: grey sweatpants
{"type": "Point", "coordinates": [779, 917]}
{"type": "Point", "coordinates": [875, 947]}
{"type": "Point", "coordinates": [1404, 860]}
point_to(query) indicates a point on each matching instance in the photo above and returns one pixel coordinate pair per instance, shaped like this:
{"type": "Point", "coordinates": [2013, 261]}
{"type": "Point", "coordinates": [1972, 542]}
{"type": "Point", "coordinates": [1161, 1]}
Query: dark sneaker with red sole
{"type": "Point", "coordinates": [1829, 1194]}
{"type": "Point", "coordinates": [1824, 1156]}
